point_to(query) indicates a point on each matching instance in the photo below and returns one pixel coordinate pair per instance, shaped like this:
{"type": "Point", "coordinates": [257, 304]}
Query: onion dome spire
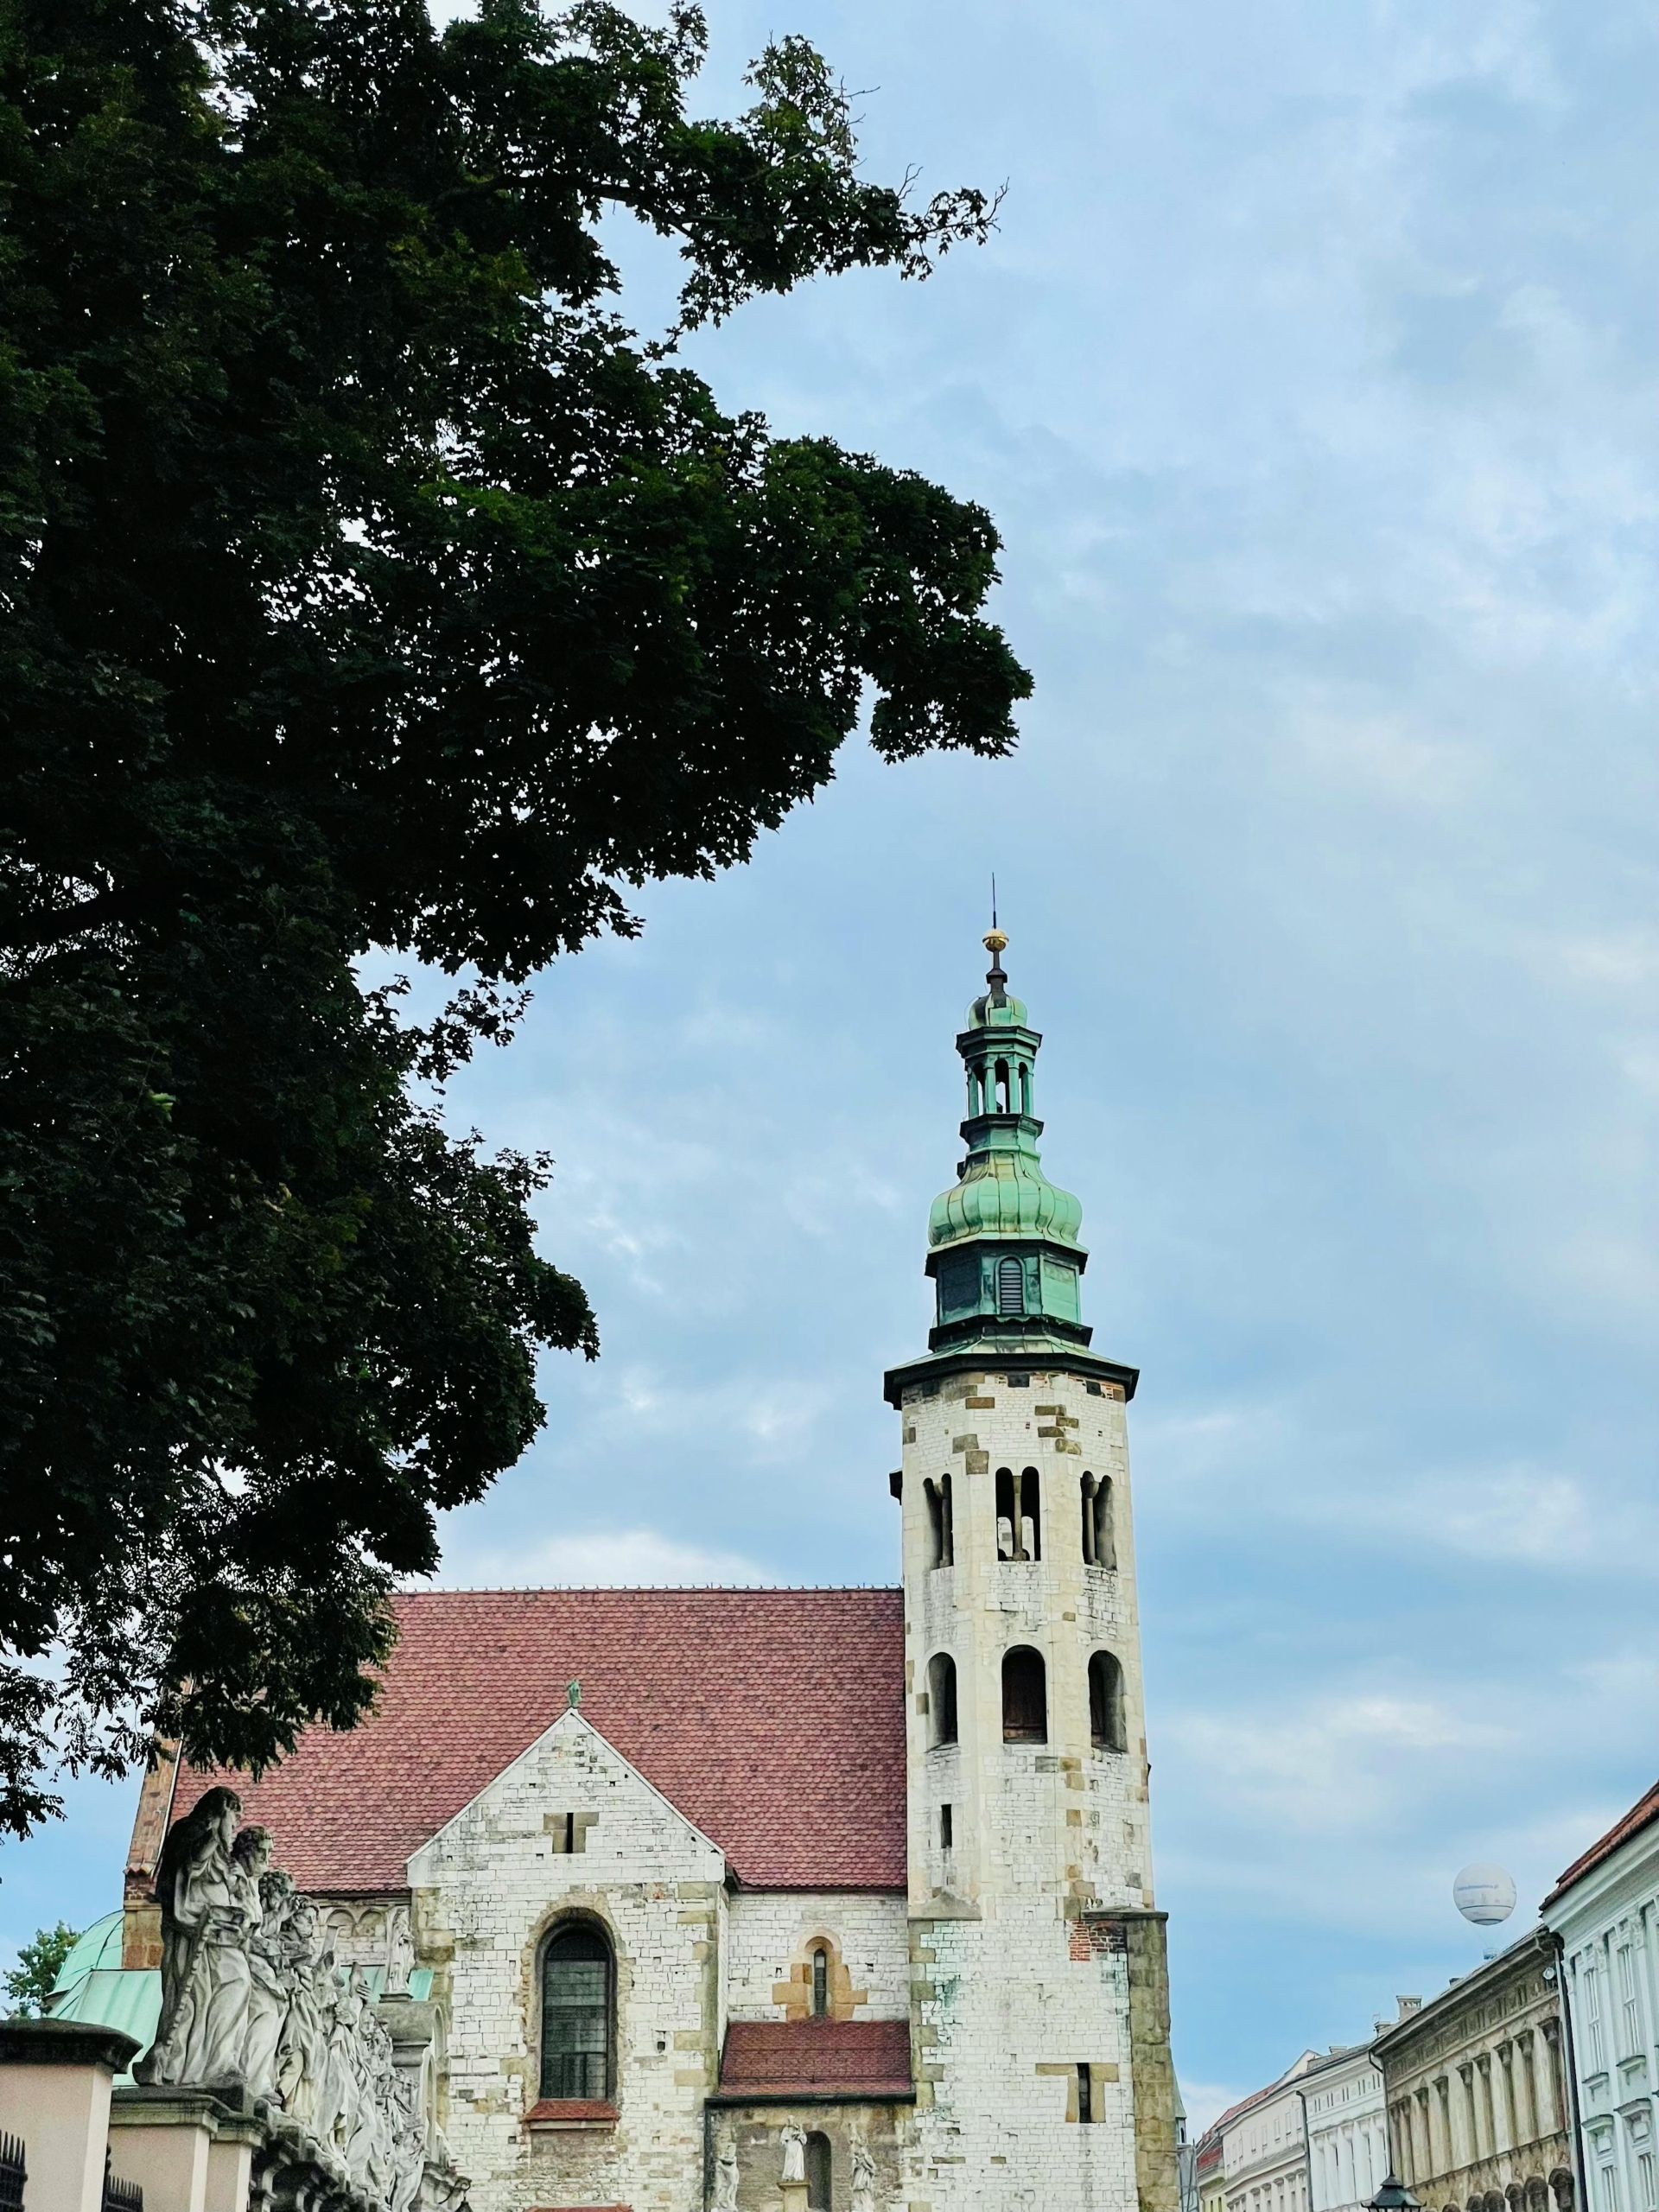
{"type": "Point", "coordinates": [1003, 1248]}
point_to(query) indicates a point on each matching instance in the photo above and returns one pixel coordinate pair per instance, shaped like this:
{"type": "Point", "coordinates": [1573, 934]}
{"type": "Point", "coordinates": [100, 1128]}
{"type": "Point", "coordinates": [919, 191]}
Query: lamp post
{"type": "Point", "coordinates": [1393, 2196]}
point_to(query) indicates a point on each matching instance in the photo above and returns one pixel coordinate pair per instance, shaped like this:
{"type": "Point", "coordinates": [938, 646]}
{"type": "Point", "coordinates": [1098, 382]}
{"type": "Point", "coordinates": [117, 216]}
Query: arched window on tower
{"type": "Point", "coordinates": [942, 1698]}
{"type": "Point", "coordinates": [1004, 1104]}
{"type": "Point", "coordinates": [1010, 1285]}
{"type": "Point", "coordinates": [1031, 1516]}
{"type": "Point", "coordinates": [1024, 1696]}
{"type": "Point", "coordinates": [819, 2173]}
{"type": "Point", "coordinates": [941, 1547]}
{"type": "Point", "coordinates": [1106, 1703]}
{"type": "Point", "coordinates": [820, 1983]}
{"type": "Point", "coordinates": [578, 2014]}
{"type": "Point", "coordinates": [1099, 1538]}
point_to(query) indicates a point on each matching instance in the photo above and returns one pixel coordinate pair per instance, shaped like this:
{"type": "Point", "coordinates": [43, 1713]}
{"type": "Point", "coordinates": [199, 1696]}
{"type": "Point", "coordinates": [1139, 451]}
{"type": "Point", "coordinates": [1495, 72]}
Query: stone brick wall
{"type": "Point", "coordinates": [772, 1934]}
{"type": "Point", "coordinates": [487, 1889]}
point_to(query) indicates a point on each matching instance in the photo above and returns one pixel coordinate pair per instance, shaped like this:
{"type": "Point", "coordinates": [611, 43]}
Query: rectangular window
{"type": "Point", "coordinates": [1610, 2188]}
{"type": "Point", "coordinates": [1594, 2051]}
{"type": "Point", "coordinates": [1644, 2175]}
{"type": "Point", "coordinates": [1086, 2093]}
{"type": "Point", "coordinates": [1630, 2010]}
{"type": "Point", "coordinates": [944, 1827]}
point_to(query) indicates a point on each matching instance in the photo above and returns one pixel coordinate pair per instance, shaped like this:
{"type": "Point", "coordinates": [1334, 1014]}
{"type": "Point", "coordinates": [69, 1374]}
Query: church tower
{"type": "Point", "coordinates": [1039, 1994]}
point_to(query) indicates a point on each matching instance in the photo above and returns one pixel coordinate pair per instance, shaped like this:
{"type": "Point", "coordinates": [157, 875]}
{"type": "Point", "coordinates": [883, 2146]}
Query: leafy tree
{"type": "Point", "coordinates": [39, 1962]}
{"type": "Point", "coordinates": [364, 580]}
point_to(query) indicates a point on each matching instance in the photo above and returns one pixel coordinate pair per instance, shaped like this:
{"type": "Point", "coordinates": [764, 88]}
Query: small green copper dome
{"type": "Point", "coordinates": [997, 1009]}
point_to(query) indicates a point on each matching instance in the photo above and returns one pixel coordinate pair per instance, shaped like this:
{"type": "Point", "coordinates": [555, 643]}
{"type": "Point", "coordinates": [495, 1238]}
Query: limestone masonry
{"type": "Point", "coordinates": [790, 1900]}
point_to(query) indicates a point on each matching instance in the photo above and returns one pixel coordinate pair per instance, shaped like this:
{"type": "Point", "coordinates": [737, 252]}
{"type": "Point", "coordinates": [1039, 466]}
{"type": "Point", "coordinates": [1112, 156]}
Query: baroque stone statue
{"type": "Point", "coordinates": [863, 2177]}
{"type": "Point", "coordinates": [253, 2001]}
{"type": "Point", "coordinates": [793, 2142]}
{"type": "Point", "coordinates": [725, 2195]}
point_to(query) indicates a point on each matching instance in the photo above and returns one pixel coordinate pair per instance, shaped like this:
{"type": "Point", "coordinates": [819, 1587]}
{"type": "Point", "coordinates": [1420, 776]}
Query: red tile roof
{"type": "Point", "coordinates": [805, 2059]}
{"type": "Point", "coordinates": [772, 1718]}
{"type": "Point", "coordinates": [1644, 1809]}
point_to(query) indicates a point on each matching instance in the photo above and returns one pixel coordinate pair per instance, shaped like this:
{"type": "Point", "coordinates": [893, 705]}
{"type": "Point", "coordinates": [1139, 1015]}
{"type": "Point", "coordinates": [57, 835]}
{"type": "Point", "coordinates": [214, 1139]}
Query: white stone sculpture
{"type": "Point", "coordinates": [267, 1994]}
{"type": "Point", "coordinates": [725, 2196]}
{"type": "Point", "coordinates": [863, 2177]}
{"type": "Point", "coordinates": [793, 2140]}
{"type": "Point", "coordinates": [253, 2000]}
{"type": "Point", "coordinates": [400, 1951]}
{"type": "Point", "coordinates": [205, 1975]}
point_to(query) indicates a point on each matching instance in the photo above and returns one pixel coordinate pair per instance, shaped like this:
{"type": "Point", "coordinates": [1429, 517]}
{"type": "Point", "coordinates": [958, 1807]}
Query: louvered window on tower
{"type": "Point", "coordinates": [1010, 1286]}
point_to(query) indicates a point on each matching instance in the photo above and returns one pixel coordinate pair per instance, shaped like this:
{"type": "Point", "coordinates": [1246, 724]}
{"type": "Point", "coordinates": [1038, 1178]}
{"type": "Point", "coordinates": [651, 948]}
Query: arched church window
{"type": "Point", "coordinates": [1024, 1696]}
{"type": "Point", "coordinates": [820, 1982]}
{"type": "Point", "coordinates": [1106, 1703]}
{"type": "Point", "coordinates": [819, 2173]}
{"type": "Point", "coordinates": [1099, 1538]}
{"type": "Point", "coordinates": [1031, 1516]}
{"type": "Point", "coordinates": [942, 1697]}
{"type": "Point", "coordinates": [1003, 1102]}
{"type": "Point", "coordinates": [578, 2006]}
{"type": "Point", "coordinates": [940, 1540]}
{"type": "Point", "coordinates": [1010, 1286]}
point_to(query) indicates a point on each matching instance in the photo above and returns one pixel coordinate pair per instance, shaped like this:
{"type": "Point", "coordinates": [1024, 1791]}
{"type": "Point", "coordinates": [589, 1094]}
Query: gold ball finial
{"type": "Point", "coordinates": [995, 944]}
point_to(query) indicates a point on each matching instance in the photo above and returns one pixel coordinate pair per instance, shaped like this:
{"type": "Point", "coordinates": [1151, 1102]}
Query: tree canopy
{"type": "Point", "coordinates": [365, 581]}
{"type": "Point", "coordinates": [39, 1962]}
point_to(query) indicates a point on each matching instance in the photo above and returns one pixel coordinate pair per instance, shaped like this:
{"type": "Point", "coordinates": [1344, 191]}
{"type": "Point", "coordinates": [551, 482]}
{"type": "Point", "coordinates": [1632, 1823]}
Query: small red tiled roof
{"type": "Point", "coordinates": [803, 2058]}
{"type": "Point", "coordinates": [771, 1718]}
{"type": "Point", "coordinates": [1644, 1809]}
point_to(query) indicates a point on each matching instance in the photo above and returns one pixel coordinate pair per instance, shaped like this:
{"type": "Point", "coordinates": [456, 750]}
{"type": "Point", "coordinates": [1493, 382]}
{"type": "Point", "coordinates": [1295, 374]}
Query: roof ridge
{"type": "Point", "coordinates": [650, 1589]}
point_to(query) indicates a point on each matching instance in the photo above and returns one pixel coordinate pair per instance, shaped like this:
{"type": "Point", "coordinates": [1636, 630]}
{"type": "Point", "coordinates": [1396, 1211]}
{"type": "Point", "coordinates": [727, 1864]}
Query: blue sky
{"type": "Point", "coordinates": [1312, 379]}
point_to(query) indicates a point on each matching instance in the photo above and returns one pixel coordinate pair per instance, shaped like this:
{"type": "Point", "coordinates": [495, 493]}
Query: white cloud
{"type": "Point", "coordinates": [595, 1559]}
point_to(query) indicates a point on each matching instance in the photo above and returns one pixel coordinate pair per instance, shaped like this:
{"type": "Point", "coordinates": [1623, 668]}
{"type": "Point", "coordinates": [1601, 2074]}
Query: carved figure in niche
{"type": "Point", "coordinates": [200, 1841]}
{"type": "Point", "coordinates": [400, 1951]}
{"type": "Point", "coordinates": [725, 2196]}
{"type": "Point", "coordinates": [793, 2144]}
{"type": "Point", "coordinates": [863, 2177]}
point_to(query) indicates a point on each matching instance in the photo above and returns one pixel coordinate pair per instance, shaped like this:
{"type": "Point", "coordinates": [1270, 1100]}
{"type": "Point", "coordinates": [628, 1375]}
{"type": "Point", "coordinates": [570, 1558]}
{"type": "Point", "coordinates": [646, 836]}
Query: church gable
{"type": "Point", "coordinates": [572, 1808]}
{"type": "Point", "coordinates": [572, 1844]}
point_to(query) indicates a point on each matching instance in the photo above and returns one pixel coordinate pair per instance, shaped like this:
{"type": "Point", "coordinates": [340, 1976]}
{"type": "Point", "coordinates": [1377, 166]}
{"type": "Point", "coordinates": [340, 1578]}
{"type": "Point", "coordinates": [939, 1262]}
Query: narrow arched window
{"type": "Point", "coordinates": [819, 2173]}
{"type": "Point", "coordinates": [935, 1497]}
{"type": "Point", "coordinates": [1010, 1286]}
{"type": "Point", "coordinates": [820, 1982]}
{"type": "Point", "coordinates": [1031, 1516]}
{"type": "Point", "coordinates": [942, 1697]}
{"type": "Point", "coordinates": [1007, 1531]}
{"type": "Point", "coordinates": [1099, 1538]}
{"type": "Point", "coordinates": [578, 2006]}
{"type": "Point", "coordinates": [1024, 1696]}
{"type": "Point", "coordinates": [1106, 1703]}
{"type": "Point", "coordinates": [1002, 1100]}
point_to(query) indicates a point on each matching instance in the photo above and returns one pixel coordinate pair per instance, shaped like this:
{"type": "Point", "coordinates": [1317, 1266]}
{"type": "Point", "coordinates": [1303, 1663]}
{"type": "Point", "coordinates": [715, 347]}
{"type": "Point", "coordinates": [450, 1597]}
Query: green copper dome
{"type": "Point", "coordinates": [1004, 1194]}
